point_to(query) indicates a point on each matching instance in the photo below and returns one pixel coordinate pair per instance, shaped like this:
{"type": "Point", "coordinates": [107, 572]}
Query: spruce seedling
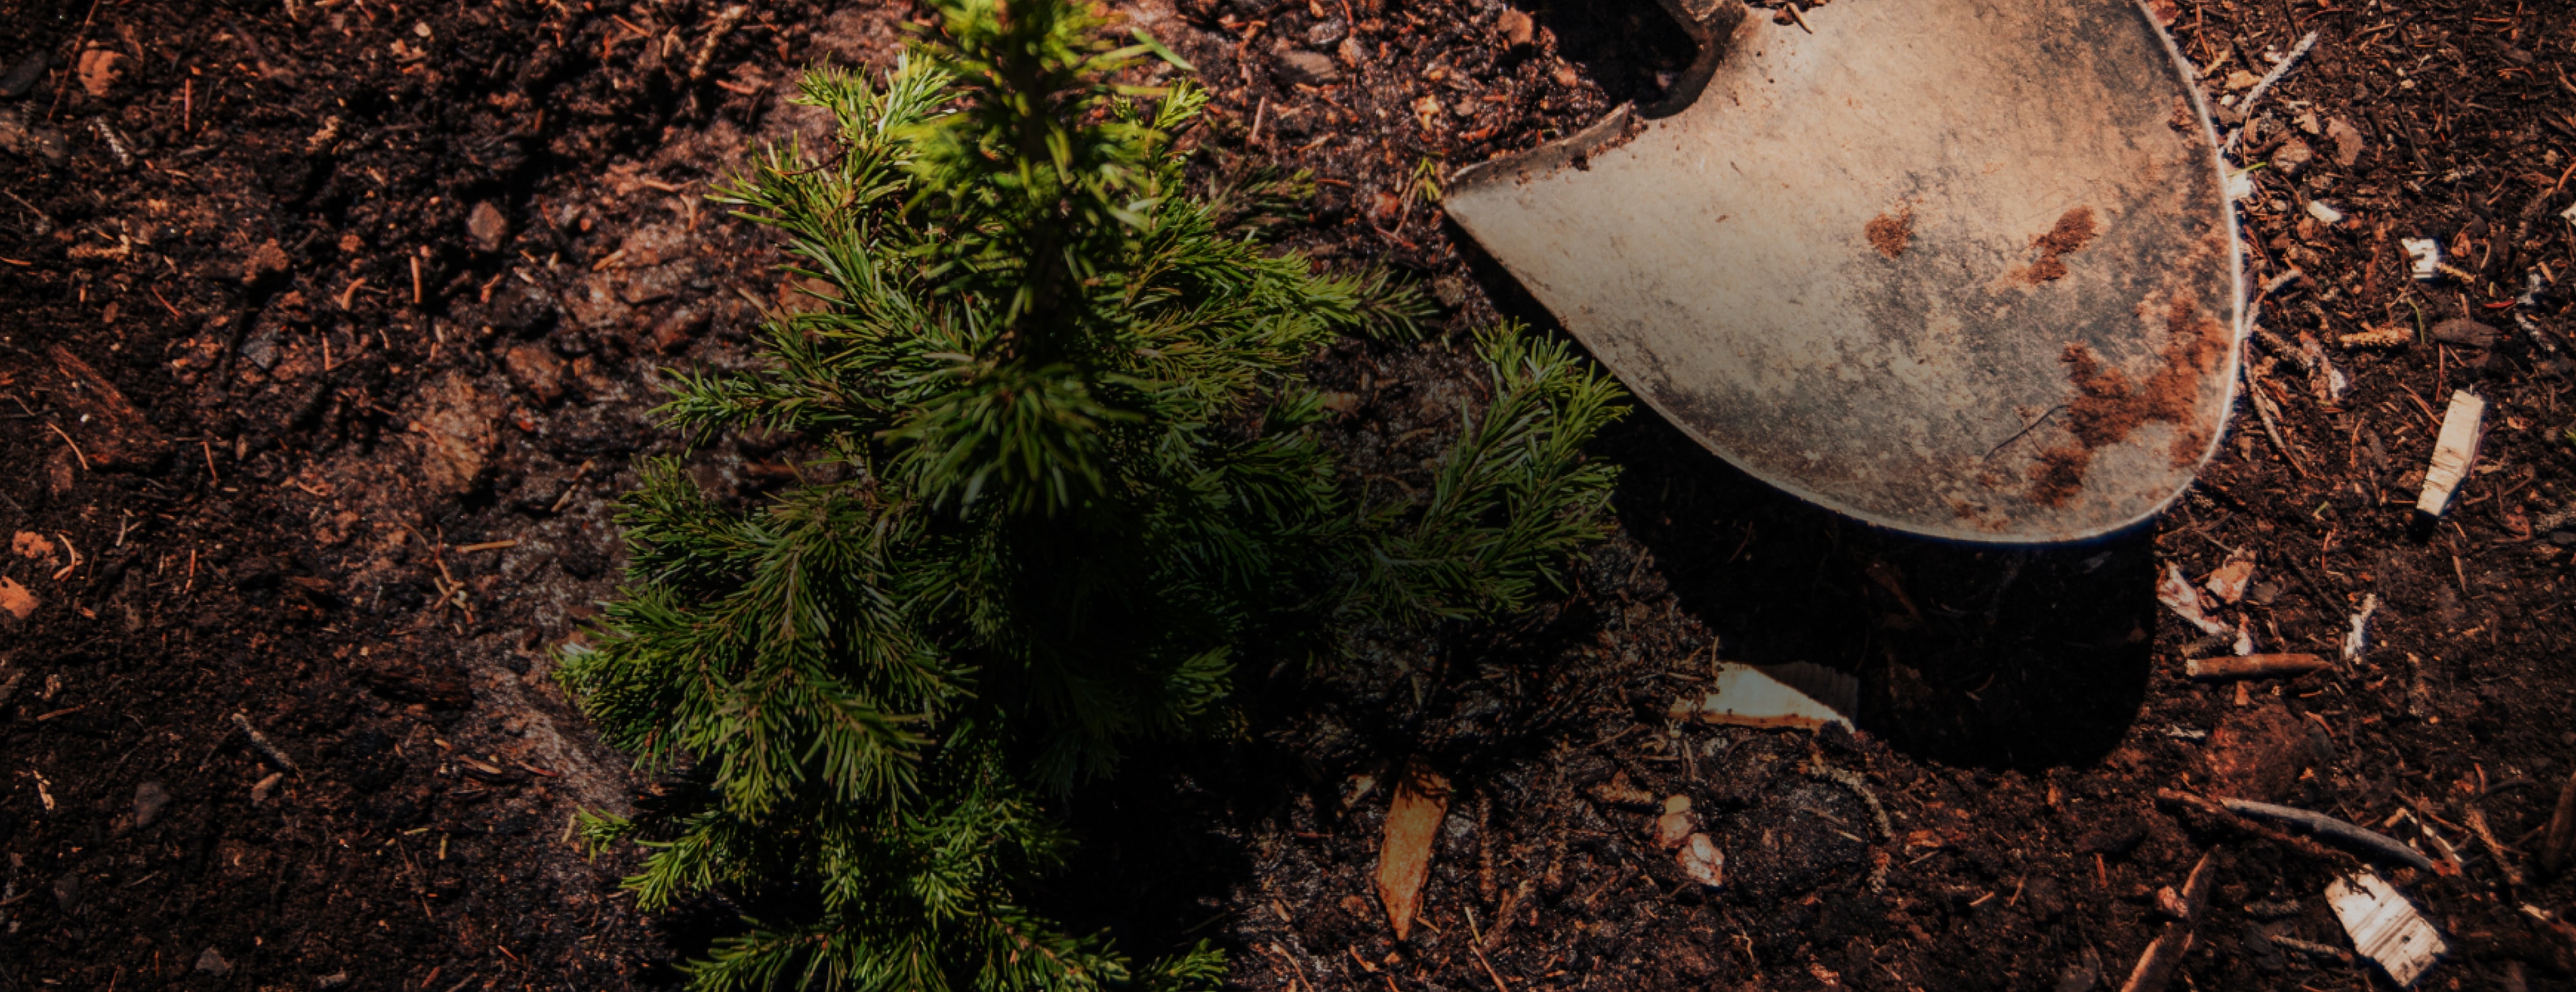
{"type": "Point", "coordinates": [1066, 471]}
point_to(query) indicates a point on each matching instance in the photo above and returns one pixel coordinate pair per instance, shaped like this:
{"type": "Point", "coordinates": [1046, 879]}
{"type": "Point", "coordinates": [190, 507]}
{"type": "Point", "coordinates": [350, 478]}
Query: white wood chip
{"type": "Point", "coordinates": [2176, 592]}
{"type": "Point", "coordinates": [1794, 695]}
{"type": "Point", "coordinates": [2385, 926]}
{"type": "Point", "coordinates": [2452, 454]}
{"type": "Point", "coordinates": [2426, 256]}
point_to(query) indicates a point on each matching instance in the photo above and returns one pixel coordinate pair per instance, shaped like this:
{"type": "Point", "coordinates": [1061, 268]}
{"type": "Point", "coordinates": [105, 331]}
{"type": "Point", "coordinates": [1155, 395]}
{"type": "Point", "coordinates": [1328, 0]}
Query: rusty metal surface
{"type": "Point", "coordinates": [1958, 267]}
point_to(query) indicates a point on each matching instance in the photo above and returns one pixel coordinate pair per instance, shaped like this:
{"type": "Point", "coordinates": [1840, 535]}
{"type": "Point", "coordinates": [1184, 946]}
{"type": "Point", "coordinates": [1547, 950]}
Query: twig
{"type": "Point", "coordinates": [261, 742]}
{"type": "Point", "coordinates": [67, 439]}
{"type": "Point", "coordinates": [2263, 412]}
{"type": "Point", "coordinates": [2264, 86]}
{"type": "Point", "coordinates": [2478, 825]}
{"type": "Point", "coordinates": [2254, 666]}
{"type": "Point", "coordinates": [2332, 829]}
{"type": "Point", "coordinates": [2156, 966]}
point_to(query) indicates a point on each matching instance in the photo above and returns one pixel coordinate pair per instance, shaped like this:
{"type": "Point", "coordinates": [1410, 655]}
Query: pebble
{"type": "Point", "coordinates": [150, 799]}
{"type": "Point", "coordinates": [214, 964]}
{"type": "Point", "coordinates": [487, 227]}
{"type": "Point", "coordinates": [1307, 68]}
{"type": "Point", "coordinates": [536, 370]}
{"type": "Point", "coordinates": [1702, 861]}
{"type": "Point", "coordinates": [1327, 32]}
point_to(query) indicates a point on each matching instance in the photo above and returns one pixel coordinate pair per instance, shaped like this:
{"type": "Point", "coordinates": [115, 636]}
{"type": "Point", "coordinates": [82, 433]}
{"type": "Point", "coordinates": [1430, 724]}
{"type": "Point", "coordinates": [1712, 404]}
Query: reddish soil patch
{"type": "Point", "coordinates": [2107, 407]}
{"type": "Point", "coordinates": [1890, 233]}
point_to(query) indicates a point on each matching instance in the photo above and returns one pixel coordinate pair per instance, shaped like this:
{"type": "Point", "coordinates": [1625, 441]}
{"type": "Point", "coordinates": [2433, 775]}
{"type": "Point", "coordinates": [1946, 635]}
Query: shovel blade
{"type": "Point", "coordinates": [1964, 268]}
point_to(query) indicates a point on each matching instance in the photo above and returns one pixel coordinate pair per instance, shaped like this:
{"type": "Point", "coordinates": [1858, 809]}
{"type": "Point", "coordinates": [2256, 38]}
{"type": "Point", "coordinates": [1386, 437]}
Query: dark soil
{"type": "Point", "coordinates": [312, 311]}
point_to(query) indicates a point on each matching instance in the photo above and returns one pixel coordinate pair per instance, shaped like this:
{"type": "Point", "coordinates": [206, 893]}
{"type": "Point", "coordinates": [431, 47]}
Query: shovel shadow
{"type": "Point", "coordinates": [1990, 656]}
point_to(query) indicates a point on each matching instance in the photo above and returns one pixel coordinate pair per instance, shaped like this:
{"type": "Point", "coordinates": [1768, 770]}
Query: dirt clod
{"type": "Point", "coordinates": [485, 225]}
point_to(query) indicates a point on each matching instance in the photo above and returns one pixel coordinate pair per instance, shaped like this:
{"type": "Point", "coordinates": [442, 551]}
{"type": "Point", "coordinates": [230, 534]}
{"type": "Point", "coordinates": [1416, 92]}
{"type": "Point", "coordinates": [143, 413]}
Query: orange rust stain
{"type": "Point", "coordinates": [2074, 230]}
{"type": "Point", "coordinates": [2108, 407]}
{"type": "Point", "coordinates": [1890, 233]}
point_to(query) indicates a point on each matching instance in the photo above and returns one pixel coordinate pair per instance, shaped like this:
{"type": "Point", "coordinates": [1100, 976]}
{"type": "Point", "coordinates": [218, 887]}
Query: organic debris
{"type": "Point", "coordinates": [15, 599]}
{"type": "Point", "coordinates": [2385, 926]}
{"type": "Point", "coordinates": [2155, 968]}
{"type": "Point", "coordinates": [1800, 694]}
{"type": "Point", "coordinates": [2255, 666]}
{"type": "Point", "coordinates": [2356, 638]}
{"type": "Point", "coordinates": [2179, 595]}
{"type": "Point", "coordinates": [1404, 852]}
{"type": "Point", "coordinates": [2453, 451]}
{"type": "Point", "coordinates": [2330, 828]}
{"type": "Point", "coordinates": [2229, 580]}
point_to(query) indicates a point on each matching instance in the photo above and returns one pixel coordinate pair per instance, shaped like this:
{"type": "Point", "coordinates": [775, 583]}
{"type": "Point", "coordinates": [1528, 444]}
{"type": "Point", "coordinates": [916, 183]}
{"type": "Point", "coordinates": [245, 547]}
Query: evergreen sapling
{"type": "Point", "coordinates": [1068, 472]}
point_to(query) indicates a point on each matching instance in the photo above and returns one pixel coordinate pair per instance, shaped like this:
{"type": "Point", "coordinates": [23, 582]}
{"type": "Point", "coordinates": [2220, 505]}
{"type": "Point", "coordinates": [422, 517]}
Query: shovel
{"type": "Point", "coordinates": [1965, 268]}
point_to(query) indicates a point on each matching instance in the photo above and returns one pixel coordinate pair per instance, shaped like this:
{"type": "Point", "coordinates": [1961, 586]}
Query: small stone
{"type": "Point", "coordinates": [1675, 828]}
{"type": "Point", "coordinates": [331, 982]}
{"type": "Point", "coordinates": [1327, 32]}
{"type": "Point", "coordinates": [537, 371]}
{"type": "Point", "coordinates": [2293, 157]}
{"type": "Point", "coordinates": [1451, 291]}
{"type": "Point", "coordinates": [1307, 68]}
{"type": "Point", "coordinates": [1702, 861]}
{"type": "Point", "coordinates": [150, 799]}
{"type": "Point", "coordinates": [1352, 52]}
{"type": "Point", "coordinates": [487, 227]}
{"type": "Point", "coordinates": [68, 893]}
{"type": "Point", "coordinates": [1516, 27]}
{"type": "Point", "coordinates": [214, 964]}
{"type": "Point", "coordinates": [2465, 333]}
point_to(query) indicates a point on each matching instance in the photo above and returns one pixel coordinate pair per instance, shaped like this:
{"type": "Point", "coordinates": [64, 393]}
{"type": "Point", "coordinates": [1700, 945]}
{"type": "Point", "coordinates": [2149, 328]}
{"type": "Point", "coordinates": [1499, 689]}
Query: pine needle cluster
{"type": "Point", "coordinates": [1068, 474]}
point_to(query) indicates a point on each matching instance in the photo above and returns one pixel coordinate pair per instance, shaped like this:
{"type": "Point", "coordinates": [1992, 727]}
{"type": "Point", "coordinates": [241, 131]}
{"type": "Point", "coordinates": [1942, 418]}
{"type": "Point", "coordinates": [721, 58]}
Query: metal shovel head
{"type": "Point", "coordinates": [1959, 267]}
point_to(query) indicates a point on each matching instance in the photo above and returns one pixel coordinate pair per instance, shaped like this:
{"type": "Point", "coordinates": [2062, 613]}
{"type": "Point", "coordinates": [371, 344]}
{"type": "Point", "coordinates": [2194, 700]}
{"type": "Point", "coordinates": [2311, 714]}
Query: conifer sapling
{"type": "Point", "coordinates": [1066, 472]}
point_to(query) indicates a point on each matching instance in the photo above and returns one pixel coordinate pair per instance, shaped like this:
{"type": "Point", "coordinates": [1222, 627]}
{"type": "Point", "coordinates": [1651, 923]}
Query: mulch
{"type": "Point", "coordinates": [332, 331]}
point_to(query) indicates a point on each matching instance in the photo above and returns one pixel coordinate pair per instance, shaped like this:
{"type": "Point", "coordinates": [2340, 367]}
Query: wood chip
{"type": "Point", "coordinates": [15, 598]}
{"type": "Point", "coordinates": [1404, 855]}
{"type": "Point", "coordinates": [2229, 580]}
{"type": "Point", "coordinates": [1796, 695]}
{"type": "Point", "coordinates": [2385, 926]}
{"type": "Point", "coordinates": [2178, 595]}
{"type": "Point", "coordinates": [2453, 453]}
